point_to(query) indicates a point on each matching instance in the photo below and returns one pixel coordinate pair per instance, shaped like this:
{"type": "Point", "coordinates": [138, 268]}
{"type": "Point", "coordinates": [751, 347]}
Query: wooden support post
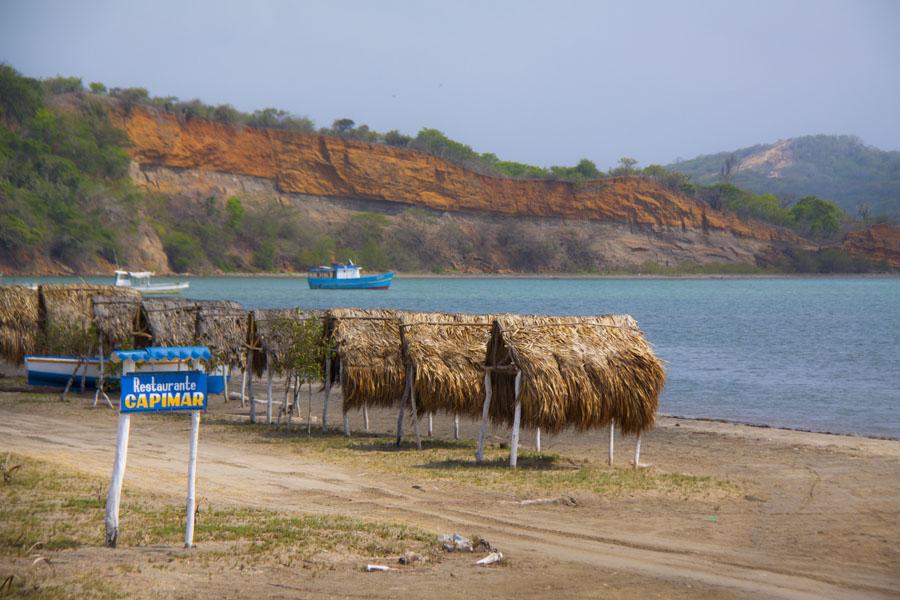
{"type": "Point", "coordinates": [226, 375]}
{"type": "Point", "coordinates": [298, 382]}
{"type": "Point", "coordinates": [517, 421]}
{"type": "Point", "coordinates": [612, 437]}
{"type": "Point", "coordinates": [485, 414]}
{"type": "Point", "coordinates": [287, 390]}
{"type": "Point", "coordinates": [244, 385]}
{"type": "Point", "coordinates": [366, 417]}
{"type": "Point", "coordinates": [192, 480]}
{"type": "Point", "coordinates": [456, 426]}
{"type": "Point", "coordinates": [412, 402]}
{"type": "Point", "coordinates": [71, 379]}
{"type": "Point", "coordinates": [268, 388]}
{"type": "Point", "coordinates": [308, 408]}
{"type": "Point", "coordinates": [250, 386]}
{"type": "Point", "coordinates": [430, 424]}
{"type": "Point", "coordinates": [114, 495]}
{"type": "Point", "coordinates": [83, 383]}
{"type": "Point", "coordinates": [401, 412]}
{"type": "Point", "coordinates": [100, 391]}
{"type": "Point", "coordinates": [537, 439]}
{"type": "Point", "coordinates": [327, 393]}
{"type": "Point", "coordinates": [346, 424]}
{"type": "Point", "coordinates": [637, 452]}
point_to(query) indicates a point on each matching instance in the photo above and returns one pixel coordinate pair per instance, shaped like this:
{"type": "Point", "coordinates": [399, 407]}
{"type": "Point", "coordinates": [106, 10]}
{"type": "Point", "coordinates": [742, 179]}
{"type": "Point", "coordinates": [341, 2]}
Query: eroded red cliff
{"type": "Point", "coordinates": [336, 167]}
{"type": "Point", "coordinates": [879, 243]}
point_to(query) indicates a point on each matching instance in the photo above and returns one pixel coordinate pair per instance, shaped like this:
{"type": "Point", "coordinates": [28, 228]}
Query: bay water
{"type": "Point", "coordinates": [812, 353]}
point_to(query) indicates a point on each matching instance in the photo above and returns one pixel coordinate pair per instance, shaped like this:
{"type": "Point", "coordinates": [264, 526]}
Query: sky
{"type": "Point", "coordinates": [539, 82]}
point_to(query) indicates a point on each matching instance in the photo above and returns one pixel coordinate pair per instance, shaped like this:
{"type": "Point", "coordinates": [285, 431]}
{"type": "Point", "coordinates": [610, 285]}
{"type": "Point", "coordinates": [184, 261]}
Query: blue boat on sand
{"type": "Point", "coordinates": [340, 276]}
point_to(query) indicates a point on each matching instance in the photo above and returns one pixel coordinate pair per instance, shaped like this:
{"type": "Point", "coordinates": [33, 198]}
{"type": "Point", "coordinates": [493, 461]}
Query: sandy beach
{"type": "Point", "coordinates": [766, 513]}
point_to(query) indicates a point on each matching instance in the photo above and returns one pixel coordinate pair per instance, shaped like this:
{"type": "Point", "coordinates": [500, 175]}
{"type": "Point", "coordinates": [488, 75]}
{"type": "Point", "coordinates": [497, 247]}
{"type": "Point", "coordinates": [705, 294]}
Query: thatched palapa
{"type": "Point", "coordinates": [367, 355]}
{"type": "Point", "coordinates": [446, 353]}
{"type": "Point", "coordinates": [222, 326]}
{"type": "Point", "coordinates": [167, 322]}
{"type": "Point", "coordinates": [116, 319]}
{"type": "Point", "coordinates": [270, 340]}
{"type": "Point", "coordinates": [19, 325]}
{"type": "Point", "coordinates": [66, 316]}
{"type": "Point", "coordinates": [581, 372]}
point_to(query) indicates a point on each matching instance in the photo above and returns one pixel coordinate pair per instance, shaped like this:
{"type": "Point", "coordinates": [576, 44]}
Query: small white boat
{"type": "Point", "coordinates": [140, 281]}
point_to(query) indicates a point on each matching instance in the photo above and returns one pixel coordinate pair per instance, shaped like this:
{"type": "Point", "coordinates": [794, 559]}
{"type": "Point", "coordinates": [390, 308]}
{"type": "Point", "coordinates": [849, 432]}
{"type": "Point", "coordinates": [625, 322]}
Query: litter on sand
{"type": "Point", "coordinates": [455, 543]}
{"type": "Point", "coordinates": [371, 568]}
{"type": "Point", "coordinates": [493, 557]}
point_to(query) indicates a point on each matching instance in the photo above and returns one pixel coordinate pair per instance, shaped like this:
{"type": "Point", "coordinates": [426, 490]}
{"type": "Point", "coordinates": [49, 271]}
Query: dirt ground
{"type": "Point", "coordinates": [814, 515]}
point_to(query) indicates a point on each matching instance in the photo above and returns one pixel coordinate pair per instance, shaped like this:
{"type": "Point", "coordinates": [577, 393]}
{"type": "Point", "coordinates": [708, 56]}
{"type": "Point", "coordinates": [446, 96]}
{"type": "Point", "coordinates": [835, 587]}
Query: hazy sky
{"type": "Point", "coordinates": [541, 82]}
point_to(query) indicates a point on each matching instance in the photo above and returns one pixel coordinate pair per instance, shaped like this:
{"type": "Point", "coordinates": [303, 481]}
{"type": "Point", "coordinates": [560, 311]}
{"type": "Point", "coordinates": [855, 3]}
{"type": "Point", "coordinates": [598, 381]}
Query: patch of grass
{"type": "Point", "coordinates": [454, 462]}
{"type": "Point", "coordinates": [47, 508]}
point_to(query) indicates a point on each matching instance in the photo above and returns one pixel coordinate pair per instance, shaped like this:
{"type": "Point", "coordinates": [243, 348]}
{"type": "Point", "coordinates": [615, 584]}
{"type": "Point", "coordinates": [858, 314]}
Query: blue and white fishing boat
{"type": "Point", "coordinates": [340, 276]}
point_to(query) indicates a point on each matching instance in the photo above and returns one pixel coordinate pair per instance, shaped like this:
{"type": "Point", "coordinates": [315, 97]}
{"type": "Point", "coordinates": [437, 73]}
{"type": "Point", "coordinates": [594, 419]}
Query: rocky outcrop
{"type": "Point", "coordinates": [879, 243]}
{"type": "Point", "coordinates": [334, 167]}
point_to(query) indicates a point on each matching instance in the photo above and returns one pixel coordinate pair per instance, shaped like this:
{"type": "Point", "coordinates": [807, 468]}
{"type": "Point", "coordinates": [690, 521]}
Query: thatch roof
{"type": "Point", "coordinates": [168, 322]}
{"type": "Point", "coordinates": [66, 316]}
{"type": "Point", "coordinates": [580, 372]}
{"type": "Point", "coordinates": [222, 326]}
{"type": "Point", "coordinates": [446, 352]}
{"type": "Point", "coordinates": [367, 355]}
{"type": "Point", "coordinates": [269, 338]}
{"type": "Point", "coordinates": [116, 319]}
{"type": "Point", "coordinates": [18, 322]}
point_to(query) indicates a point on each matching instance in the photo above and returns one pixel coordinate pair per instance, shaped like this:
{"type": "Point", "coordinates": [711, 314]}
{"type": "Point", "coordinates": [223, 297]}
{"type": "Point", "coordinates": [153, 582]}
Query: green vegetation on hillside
{"type": "Point", "coordinates": [861, 179]}
{"type": "Point", "coordinates": [66, 201]}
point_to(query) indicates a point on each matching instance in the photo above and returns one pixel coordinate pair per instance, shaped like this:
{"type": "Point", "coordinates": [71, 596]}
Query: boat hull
{"type": "Point", "coordinates": [55, 371]}
{"type": "Point", "coordinates": [380, 281]}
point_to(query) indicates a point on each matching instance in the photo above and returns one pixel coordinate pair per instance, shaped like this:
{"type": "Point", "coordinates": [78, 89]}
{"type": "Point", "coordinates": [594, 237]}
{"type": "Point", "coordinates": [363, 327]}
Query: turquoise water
{"type": "Point", "coordinates": [819, 354]}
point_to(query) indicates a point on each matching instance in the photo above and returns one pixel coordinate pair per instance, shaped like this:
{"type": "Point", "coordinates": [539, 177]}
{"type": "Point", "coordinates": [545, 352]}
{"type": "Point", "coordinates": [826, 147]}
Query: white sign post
{"type": "Point", "coordinates": [157, 392]}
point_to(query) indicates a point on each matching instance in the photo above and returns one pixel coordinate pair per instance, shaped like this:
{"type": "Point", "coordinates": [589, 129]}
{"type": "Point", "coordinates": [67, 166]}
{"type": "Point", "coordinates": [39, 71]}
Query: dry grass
{"type": "Point", "coordinates": [169, 321]}
{"type": "Point", "coordinates": [18, 322]}
{"type": "Point", "coordinates": [116, 318]}
{"type": "Point", "coordinates": [223, 327]}
{"type": "Point", "coordinates": [367, 345]}
{"type": "Point", "coordinates": [446, 352]}
{"type": "Point", "coordinates": [453, 463]}
{"type": "Point", "coordinates": [581, 372]}
{"type": "Point", "coordinates": [47, 510]}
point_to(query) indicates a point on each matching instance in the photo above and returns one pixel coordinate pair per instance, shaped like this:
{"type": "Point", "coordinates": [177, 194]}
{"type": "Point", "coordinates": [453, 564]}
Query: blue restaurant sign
{"type": "Point", "coordinates": [163, 392]}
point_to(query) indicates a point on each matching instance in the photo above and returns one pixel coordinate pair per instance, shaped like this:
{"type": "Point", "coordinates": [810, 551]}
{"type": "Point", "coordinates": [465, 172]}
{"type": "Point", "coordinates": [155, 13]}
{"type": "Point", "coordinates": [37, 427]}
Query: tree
{"type": "Point", "coordinates": [587, 169]}
{"type": "Point", "coordinates": [342, 126]}
{"type": "Point", "coordinates": [728, 168]}
{"type": "Point", "coordinates": [62, 85]}
{"type": "Point", "coordinates": [20, 97]}
{"type": "Point", "coordinates": [98, 88]}
{"type": "Point", "coordinates": [395, 138]}
{"type": "Point", "coordinates": [627, 166]}
{"type": "Point", "coordinates": [816, 217]}
{"type": "Point", "coordinates": [235, 211]}
{"type": "Point", "coordinates": [305, 354]}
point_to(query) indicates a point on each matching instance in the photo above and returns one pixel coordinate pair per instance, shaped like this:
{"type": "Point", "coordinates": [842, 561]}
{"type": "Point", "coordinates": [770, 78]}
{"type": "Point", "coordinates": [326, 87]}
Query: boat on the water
{"type": "Point", "coordinates": [140, 281]}
{"type": "Point", "coordinates": [340, 276]}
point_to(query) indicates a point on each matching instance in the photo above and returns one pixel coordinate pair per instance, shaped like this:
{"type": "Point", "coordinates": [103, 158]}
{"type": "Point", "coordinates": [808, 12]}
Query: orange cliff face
{"type": "Point", "coordinates": [330, 166]}
{"type": "Point", "coordinates": [880, 243]}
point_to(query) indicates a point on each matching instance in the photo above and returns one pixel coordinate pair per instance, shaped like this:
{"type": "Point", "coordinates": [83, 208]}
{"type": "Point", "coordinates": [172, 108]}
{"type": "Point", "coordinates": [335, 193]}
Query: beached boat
{"type": "Point", "coordinates": [348, 276]}
{"type": "Point", "coordinates": [140, 281]}
{"type": "Point", "coordinates": [55, 371]}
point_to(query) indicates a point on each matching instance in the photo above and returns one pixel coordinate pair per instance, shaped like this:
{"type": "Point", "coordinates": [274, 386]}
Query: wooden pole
{"type": "Point", "coordinates": [287, 391]}
{"type": "Point", "coordinates": [226, 375]}
{"type": "Point", "coordinates": [81, 387]}
{"type": "Point", "coordinates": [71, 379]}
{"type": "Point", "coordinates": [309, 409]}
{"type": "Point", "coordinates": [612, 437]}
{"type": "Point", "coordinates": [637, 452]}
{"type": "Point", "coordinates": [100, 391]}
{"type": "Point", "coordinates": [485, 414]}
{"type": "Point", "coordinates": [517, 420]}
{"type": "Point", "coordinates": [298, 382]}
{"type": "Point", "coordinates": [114, 495]}
{"type": "Point", "coordinates": [401, 412]}
{"type": "Point", "coordinates": [456, 426]}
{"type": "Point", "coordinates": [537, 439]}
{"type": "Point", "coordinates": [412, 402]}
{"type": "Point", "coordinates": [192, 480]}
{"type": "Point", "coordinates": [249, 374]}
{"type": "Point", "coordinates": [244, 383]}
{"type": "Point", "coordinates": [268, 388]}
{"type": "Point", "coordinates": [366, 416]}
{"type": "Point", "coordinates": [327, 393]}
{"type": "Point", "coordinates": [344, 407]}
{"type": "Point", "coordinates": [430, 425]}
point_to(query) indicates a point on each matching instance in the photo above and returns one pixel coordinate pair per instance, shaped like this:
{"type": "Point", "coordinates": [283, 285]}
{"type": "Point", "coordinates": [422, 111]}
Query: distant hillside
{"type": "Point", "coordinates": [839, 168]}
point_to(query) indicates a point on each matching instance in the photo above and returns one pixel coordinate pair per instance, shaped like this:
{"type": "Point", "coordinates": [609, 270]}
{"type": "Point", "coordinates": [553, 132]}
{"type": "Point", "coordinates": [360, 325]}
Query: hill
{"type": "Point", "coordinates": [839, 168]}
{"type": "Point", "coordinates": [91, 180]}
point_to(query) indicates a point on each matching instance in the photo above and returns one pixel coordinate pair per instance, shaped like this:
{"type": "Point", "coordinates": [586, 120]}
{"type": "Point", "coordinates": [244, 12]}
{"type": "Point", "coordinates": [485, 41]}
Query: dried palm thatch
{"type": "Point", "coordinates": [367, 355]}
{"type": "Point", "coordinates": [19, 325]}
{"type": "Point", "coordinates": [446, 353]}
{"type": "Point", "coordinates": [167, 322]}
{"type": "Point", "coordinates": [116, 318]}
{"type": "Point", "coordinates": [222, 326]}
{"type": "Point", "coordinates": [66, 316]}
{"type": "Point", "coordinates": [271, 340]}
{"type": "Point", "coordinates": [581, 372]}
